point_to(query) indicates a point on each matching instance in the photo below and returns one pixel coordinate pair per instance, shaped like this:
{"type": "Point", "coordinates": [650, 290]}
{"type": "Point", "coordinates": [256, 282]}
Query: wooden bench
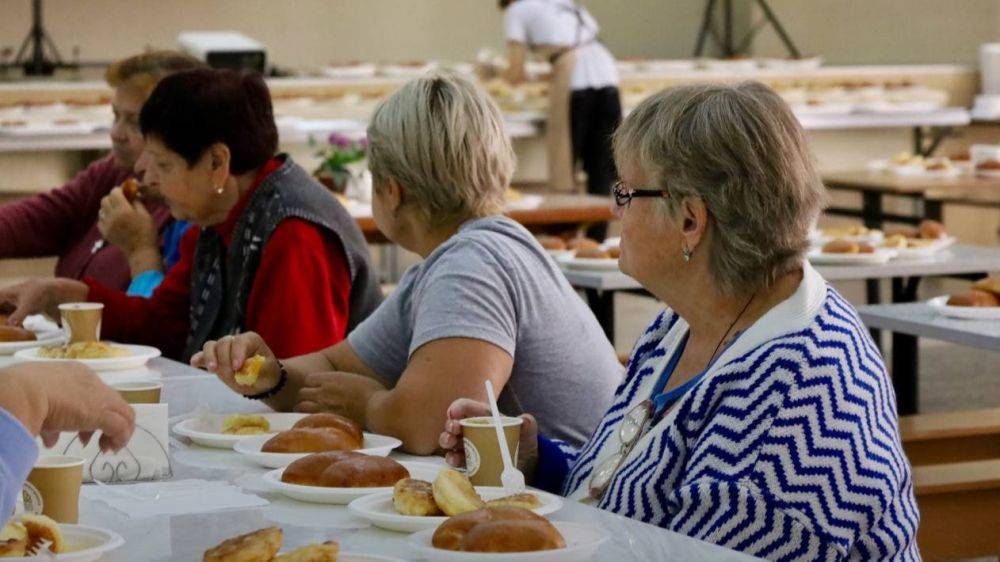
{"type": "Point", "coordinates": [959, 509]}
{"type": "Point", "coordinates": [951, 437]}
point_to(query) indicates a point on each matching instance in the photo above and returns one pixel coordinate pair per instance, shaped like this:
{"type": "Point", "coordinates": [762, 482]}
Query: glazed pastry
{"type": "Point", "coordinates": [454, 493]}
{"type": "Point", "coordinates": [310, 440]}
{"type": "Point", "coordinates": [326, 552]}
{"type": "Point", "coordinates": [498, 529]}
{"type": "Point", "coordinates": [592, 254]}
{"type": "Point", "coordinates": [248, 373]}
{"type": "Point", "coordinates": [932, 230]}
{"type": "Point", "coordinates": [130, 189]}
{"type": "Point", "coordinates": [415, 497]}
{"type": "Point", "coordinates": [974, 298]}
{"type": "Point", "coordinates": [551, 242]}
{"type": "Point", "coordinates": [614, 252]}
{"type": "Point", "coordinates": [906, 232]}
{"type": "Point", "coordinates": [334, 421]}
{"type": "Point", "coordinates": [245, 424]}
{"type": "Point", "coordinates": [841, 247]}
{"type": "Point", "coordinates": [344, 470]}
{"type": "Point", "coordinates": [578, 244]}
{"type": "Point", "coordinates": [15, 334]}
{"type": "Point", "coordinates": [865, 248]}
{"type": "Point", "coordinates": [524, 501]}
{"type": "Point", "coordinates": [989, 285]}
{"type": "Point", "coordinates": [41, 528]}
{"type": "Point", "coordinates": [258, 546]}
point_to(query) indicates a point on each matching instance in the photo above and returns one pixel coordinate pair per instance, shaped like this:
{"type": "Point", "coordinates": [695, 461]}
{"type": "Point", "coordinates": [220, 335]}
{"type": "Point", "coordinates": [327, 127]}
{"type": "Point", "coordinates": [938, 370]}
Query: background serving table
{"type": "Point", "coordinates": [187, 536]}
{"type": "Point", "coordinates": [921, 320]}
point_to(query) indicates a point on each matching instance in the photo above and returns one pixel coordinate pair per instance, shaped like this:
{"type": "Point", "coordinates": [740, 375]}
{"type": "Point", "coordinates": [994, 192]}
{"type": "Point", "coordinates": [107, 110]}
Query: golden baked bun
{"type": "Point", "coordinates": [592, 254]}
{"type": "Point", "coordinates": [578, 244]}
{"type": "Point", "coordinates": [551, 242]}
{"type": "Point", "coordinates": [840, 246]}
{"type": "Point", "coordinates": [974, 298]}
{"type": "Point", "coordinates": [326, 552]}
{"type": "Point", "coordinates": [614, 252]}
{"type": "Point", "coordinates": [249, 371]}
{"type": "Point", "coordinates": [895, 241]}
{"type": "Point", "coordinates": [454, 493]}
{"type": "Point", "coordinates": [42, 528]}
{"type": "Point", "coordinates": [865, 248]}
{"type": "Point", "coordinates": [989, 285]}
{"type": "Point", "coordinates": [13, 540]}
{"type": "Point", "coordinates": [414, 497]}
{"type": "Point", "coordinates": [504, 529]}
{"type": "Point", "coordinates": [14, 334]}
{"type": "Point", "coordinates": [130, 189]}
{"type": "Point", "coordinates": [523, 501]}
{"type": "Point", "coordinates": [932, 230]}
{"type": "Point", "coordinates": [333, 421]}
{"type": "Point", "coordinates": [344, 470]}
{"type": "Point", "coordinates": [245, 424]}
{"type": "Point", "coordinates": [904, 231]}
{"type": "Point", "coordinates": [310, 440]}
{"type": "Point", "coordinates": [258, 546]}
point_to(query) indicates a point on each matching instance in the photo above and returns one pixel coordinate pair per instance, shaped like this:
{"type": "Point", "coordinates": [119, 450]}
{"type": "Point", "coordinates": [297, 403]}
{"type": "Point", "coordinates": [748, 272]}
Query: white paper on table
{"type": "Point", "coordinates": [145, 457]}
{"type": "Point", "coordinates": [180, 497]}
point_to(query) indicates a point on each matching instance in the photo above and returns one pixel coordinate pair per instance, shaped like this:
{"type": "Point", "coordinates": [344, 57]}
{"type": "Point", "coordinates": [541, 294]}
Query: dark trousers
{"type": "Point", "coordinates": [595, 113]}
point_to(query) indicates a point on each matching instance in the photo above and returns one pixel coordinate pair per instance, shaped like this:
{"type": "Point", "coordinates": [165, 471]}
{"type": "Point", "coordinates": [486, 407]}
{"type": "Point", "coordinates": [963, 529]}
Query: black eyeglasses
{"type": "Point", "coordinates": [623, 197]}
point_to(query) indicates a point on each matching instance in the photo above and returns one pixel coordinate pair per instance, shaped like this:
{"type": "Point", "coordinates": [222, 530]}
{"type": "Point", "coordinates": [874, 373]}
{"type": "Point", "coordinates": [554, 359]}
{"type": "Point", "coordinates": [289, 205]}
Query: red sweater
{"type": "Point", "coordinates": [299, 302]}
{"type": "Point", "coordinates": [63, 222]}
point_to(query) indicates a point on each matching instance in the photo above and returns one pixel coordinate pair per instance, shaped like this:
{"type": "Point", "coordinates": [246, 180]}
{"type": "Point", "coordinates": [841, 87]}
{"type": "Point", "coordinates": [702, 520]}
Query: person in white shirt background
{"type": "Point", "coordinates": [585, 106]}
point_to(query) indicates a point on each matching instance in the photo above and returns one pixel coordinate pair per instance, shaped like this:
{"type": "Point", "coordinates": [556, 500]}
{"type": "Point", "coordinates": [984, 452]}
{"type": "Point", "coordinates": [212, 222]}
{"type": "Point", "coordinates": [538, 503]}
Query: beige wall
{"type": "Point", "coordinates": [313, 32]}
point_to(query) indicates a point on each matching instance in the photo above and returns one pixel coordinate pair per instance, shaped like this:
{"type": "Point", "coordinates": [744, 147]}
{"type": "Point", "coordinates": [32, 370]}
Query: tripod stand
{"type": "Point", "coordinates": [725, 43]}
{"type": "Point", "coordinates": [38, 64]}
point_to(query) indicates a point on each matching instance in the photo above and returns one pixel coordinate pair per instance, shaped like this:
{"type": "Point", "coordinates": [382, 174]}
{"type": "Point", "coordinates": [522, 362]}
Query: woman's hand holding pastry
{"type": "Point", "coordinates": [243, 362]}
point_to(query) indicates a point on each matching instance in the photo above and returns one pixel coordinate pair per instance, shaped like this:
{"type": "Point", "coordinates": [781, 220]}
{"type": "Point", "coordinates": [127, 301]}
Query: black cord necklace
{"type": "Point", "coordinates": [726, 333]}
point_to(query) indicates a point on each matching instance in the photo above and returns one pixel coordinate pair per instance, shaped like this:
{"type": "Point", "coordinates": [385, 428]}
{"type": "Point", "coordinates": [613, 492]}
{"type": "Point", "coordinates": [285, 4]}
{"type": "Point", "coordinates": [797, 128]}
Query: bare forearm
{"type": "Point", "coordinates": [298, 368]}
{"type": "Point", "coordinates": [408, 420]}
{"type": "Point", "coordinates": [19, 400]}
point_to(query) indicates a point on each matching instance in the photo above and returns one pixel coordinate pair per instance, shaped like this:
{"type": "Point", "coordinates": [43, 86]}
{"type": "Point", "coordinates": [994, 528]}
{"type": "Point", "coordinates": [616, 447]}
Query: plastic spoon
{"type": "Point", "coordinates": [511, 478]}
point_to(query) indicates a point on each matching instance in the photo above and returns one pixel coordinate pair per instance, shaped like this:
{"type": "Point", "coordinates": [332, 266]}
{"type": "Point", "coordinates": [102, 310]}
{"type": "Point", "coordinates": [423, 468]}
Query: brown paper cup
{"type": "Point", "coordinates": [483, 459]}
{"type": "Point", "coordinates": [57, 481]}
{"type": "Point", "coordinates": [82, 321]}
{"type": "Point", "coordinates": [139, 392]}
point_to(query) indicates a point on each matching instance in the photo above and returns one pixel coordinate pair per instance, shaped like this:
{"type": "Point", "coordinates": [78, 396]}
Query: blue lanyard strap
{"type": "Point", "coordinates": [663, 400]}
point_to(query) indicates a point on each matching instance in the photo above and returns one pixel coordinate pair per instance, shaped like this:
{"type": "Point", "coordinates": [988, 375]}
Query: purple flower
{"type": "Point", "coordinates": [363, 143]}
{"type": "Point", "coordinates": [339, 140]}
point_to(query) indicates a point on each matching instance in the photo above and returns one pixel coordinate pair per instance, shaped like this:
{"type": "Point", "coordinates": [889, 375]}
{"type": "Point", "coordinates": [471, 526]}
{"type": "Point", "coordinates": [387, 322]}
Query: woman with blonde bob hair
{"type": "Point", "coordinates": [756, 413]}
{"type": "Point", "coordinates": [487, 303]}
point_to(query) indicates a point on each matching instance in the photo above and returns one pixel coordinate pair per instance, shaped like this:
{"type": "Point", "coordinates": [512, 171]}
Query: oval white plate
{"type": "Point", "coordinates": [378, 509]}
{"type": "Point", "coordinates": [343, 496]}
{"type": "Point", "coordinates": [921, 252]}
{"type": "Point", "coordinates": [44, 339]}
{"type": "Point", "coordinates": [874, 238]}
{"type": "Point", "coordinates": [964, 312]}
{"type": "Point", "coordinates": [881, 256]}
{"type": "Point", "coordinates": [207, 431]}
{"type": "Point", "coordinates": [358, 557]}
{"type": "Point", "coordinates": [599, 264]}
{"type": "Point", "coordinates": [86, 543]}
{"type": "Point", "coordinates": [141, 354]}
{"type": "Point", "coordinates": [377, 445]}
{"type": "Point", "coordinates": [582, 542]}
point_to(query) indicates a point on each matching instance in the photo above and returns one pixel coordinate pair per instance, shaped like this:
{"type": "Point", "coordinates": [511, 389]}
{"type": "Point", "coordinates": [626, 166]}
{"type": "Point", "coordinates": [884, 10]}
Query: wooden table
{"type": "Point", "coordinates": [556, 212]}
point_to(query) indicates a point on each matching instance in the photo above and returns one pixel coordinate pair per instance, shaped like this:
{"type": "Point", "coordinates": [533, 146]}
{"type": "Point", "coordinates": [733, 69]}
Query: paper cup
{"type": "Point", "coordinates": [82, 321]}
{"type": "Point", "coordinates": [483, 459]}
{"type": "Point", "coordinates": [139, 392]}
{"type": "Point", "coordinates": [55, 483]}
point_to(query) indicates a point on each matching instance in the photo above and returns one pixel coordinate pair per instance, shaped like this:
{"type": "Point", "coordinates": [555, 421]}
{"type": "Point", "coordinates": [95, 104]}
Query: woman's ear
{"type": "Point", "coordinates": [392, 194]}
{"type": "Point", "coordinates": [693, 221]}
{"type": "Point", "coordinates": [218, 163]}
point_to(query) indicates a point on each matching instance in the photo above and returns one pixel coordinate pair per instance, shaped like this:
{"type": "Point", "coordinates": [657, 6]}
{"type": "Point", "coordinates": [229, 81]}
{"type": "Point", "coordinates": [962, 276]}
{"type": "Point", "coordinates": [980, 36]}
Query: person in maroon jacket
{"type": "Point", "coordinates": [64, 221]}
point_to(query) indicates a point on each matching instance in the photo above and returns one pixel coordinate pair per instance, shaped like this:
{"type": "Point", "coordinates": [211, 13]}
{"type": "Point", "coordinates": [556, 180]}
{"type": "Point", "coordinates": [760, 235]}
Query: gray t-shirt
{"type": "Point", "coordinates": [492, 281]}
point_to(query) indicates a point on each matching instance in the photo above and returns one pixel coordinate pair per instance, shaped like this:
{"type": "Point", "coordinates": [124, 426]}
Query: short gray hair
{"type": "Point", "coordinates": [739, 149]}
{"type": "Point", "coordinates": [443, 139]}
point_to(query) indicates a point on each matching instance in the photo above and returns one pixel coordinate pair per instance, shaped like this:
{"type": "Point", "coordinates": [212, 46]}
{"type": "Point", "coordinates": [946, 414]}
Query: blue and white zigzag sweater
{"type": "Point", "coordinates": [788, 449]}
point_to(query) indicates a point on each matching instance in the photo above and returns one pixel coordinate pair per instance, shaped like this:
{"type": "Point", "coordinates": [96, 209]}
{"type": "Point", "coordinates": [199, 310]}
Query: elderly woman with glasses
{"type": "Point", "coordinates": [756, 413]}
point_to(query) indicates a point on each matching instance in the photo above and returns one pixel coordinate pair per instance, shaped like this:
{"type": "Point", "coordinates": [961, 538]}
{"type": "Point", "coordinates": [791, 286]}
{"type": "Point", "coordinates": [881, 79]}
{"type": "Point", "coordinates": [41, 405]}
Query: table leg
{"type": "Point", "coordinates": [933, 210]}
{"type": "Point", "coordinates": [602, 303]}
{"type": "Point", "coordinates": [905, 362]}
{"type": "Point", "coordinates": [873, 296]}
{"type": "Point", "coordinates": [871, 209]}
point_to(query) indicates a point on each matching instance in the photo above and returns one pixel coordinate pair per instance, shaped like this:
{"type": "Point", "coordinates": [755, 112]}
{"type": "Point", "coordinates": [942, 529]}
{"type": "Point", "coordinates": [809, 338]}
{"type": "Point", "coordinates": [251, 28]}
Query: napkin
{"type": "Point", "coordinates": [144, 458]}
{"type": "Point", "coordinates": [179, 497]}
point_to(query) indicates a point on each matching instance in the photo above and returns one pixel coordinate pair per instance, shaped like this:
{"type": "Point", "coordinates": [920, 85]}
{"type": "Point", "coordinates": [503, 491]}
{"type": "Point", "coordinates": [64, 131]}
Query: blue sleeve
{"type": "Point", "coordinates": [172, 243]}
{"type": "Point", "coordinates": [145, 283]}
{"type": "Point", "coordinates": [18, 453]}
{"type": "Point", "coordinates": [555, 458]}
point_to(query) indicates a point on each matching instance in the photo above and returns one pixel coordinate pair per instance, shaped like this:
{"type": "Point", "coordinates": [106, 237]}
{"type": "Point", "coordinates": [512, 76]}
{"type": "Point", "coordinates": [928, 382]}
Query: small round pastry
{"type": "Point", "coordinates": [578, 244]}
{"type": "Point", "coordinates": [932, 230]}
{"type": "Point", "coordinates": [523, 500]}
{"type": "Point", "coordinates": [974, 298]}
{"type": "Point", "coordinates": [614, 252]}
{"type": "Point", "coordinates": [452, 534]}
{"type": "Point", "coordinates": [329, 420]}
{"type": "Point", "coordinates": [42, 528]}
{"type": "Point", "coordinates": [905, 231]}
{"type": "Point", "coordinates": [454, 493]}
{"type": "Point", "coordinates": [513, 536]}
{"type": "Point", "coordinates": [865, 248]}
{"type": "Point", "coordinates": [414, 497]}
{"type": "Point", "coordinates": [326, 552]}
{"type": "Point", "coordinates": [551, 242]}
{"type": "Point", "coordinates": [310, 440]}
{"type": "Point", "coordinates": [989, 284]}
{"type": "Point", "coordinates": [895, 241]}
{"type": "Point", "coordinates": [130, 189]}
{"type": "Point", "coordinates": [245, 424]}
{"type": "Point", "coordinates": [15, 334]}
{"type": "Point", "coordinates": [258, 546]}
{"type": "Point", "coordinates": [592, 254]}
{"type": "Point", "coordinates": [840, 246]}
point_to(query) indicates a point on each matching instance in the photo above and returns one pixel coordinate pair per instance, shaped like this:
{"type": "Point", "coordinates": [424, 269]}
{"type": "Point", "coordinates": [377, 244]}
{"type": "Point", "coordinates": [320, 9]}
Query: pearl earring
{"type": "Point", "coordinates": [220, 189]}
{"type": "Point", "coordinates": [686, 254]}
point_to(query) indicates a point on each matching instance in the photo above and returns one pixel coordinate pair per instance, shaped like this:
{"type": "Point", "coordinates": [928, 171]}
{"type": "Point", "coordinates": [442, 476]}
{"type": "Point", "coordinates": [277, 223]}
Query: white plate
{"type": "Point", "coordinates": [881, 256]}
{"type": "Point", "coordinates": [351, 71]}
{"type": "Point", "coordinates": [207, 430]}
{"type": "Point", "coordinates": [87, 543]}
{"type": "Point", "coordinates": [923, 252]}
{"type": "Point", "coordinates": [599, 264]}
{"type": "Point", "coordinates": [343, 496]}
{"type": "Point", "coordinates": [964, 312]}
{"type": "Point", "coordinates": [377, 445]}
{"type": "Point", "coordinates": [378, 509]}
{"type": "Point", "coordinates": [823, 109]}
{"type": "Point", "coordinates": [141, 354]}
{"type": "Point", "coordinates": [358, 557]}
{"type": "Point", "coordinates": [873, 237]}
{"type": "Point", "coordinates": [582, 542]}
{"type": "Point", "coordinates": [44, 338]}
{"type": "Point", "coordinates": [988, 173]}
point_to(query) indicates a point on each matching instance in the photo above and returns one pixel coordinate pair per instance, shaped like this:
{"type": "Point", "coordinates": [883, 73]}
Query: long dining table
{"type": "Point", "coordinates": [185, 536]}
